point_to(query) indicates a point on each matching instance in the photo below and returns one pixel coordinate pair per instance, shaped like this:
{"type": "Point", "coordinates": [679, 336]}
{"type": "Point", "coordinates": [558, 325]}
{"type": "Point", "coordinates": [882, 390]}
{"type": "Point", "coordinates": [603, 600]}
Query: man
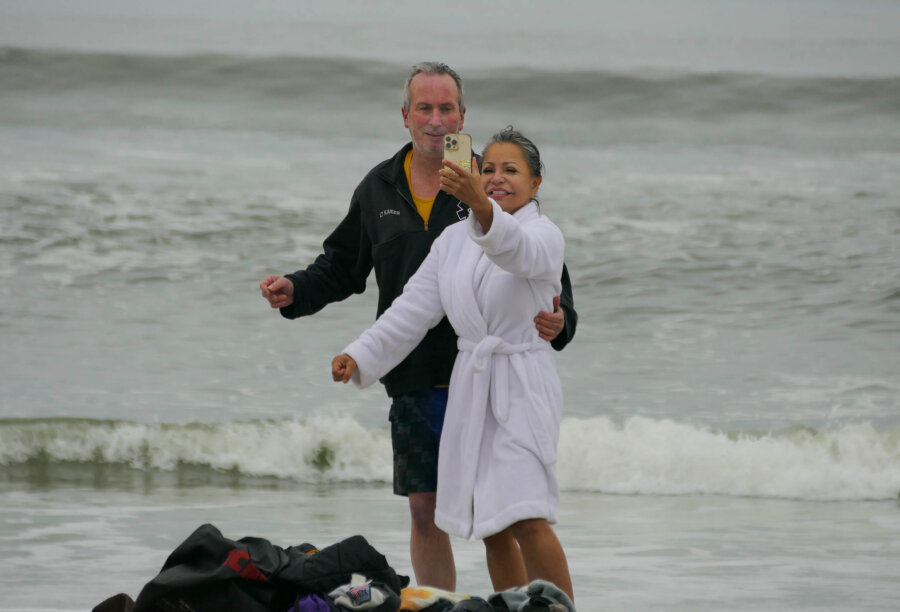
{"type": "Point", "coordinates": [396, 212]}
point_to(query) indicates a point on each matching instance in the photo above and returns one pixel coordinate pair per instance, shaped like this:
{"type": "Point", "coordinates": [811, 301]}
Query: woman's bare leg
{"type": "Point", "coordinates": [504, 561]}
{"type": "Point", "coordinates": [543, 554]}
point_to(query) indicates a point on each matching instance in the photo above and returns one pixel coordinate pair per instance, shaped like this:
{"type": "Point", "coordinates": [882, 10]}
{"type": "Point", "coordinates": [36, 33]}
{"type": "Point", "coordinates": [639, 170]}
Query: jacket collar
{"type": "Point", "coordinates": [393, 171]}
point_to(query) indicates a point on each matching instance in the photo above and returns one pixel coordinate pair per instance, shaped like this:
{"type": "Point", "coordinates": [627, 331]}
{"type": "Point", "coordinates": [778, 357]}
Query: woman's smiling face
{"type": "Point", "coordinates": [506, 177]}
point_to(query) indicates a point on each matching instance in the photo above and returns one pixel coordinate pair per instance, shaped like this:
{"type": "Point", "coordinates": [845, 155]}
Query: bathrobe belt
{"type": "Point", "coordinates": [486, 370]}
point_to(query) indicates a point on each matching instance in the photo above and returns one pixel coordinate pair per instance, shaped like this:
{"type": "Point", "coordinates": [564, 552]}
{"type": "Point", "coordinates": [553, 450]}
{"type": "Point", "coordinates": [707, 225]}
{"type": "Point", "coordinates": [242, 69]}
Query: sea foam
{"type": "Point", "coordinates": [640, 456]}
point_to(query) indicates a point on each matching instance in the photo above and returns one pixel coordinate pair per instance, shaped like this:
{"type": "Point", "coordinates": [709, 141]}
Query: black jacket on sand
{"type": "Point", "coordinates": [210, 573]}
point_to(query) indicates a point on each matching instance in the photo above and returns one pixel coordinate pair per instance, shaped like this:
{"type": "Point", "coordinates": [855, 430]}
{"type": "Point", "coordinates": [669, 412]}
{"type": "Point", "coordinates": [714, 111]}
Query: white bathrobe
{"type": "Point", "coordinates": [498, 446]}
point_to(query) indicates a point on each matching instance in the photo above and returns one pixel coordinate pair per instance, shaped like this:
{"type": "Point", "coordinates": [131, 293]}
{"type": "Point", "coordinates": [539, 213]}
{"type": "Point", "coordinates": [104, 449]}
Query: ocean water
{"type": "Point", "coordinates": [727, 179]}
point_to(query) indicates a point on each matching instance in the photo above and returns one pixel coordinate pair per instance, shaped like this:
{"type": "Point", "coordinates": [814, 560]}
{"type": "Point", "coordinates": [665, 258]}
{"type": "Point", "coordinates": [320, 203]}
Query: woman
{"type": "Point", "coordinates": [489, 275]}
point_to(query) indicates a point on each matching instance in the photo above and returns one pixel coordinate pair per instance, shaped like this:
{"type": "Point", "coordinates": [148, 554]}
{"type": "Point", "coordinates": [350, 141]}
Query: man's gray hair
{"type": "Point", "coordinates": [433, 68]}
{"type": "Point", "coordinates": [529, 150]}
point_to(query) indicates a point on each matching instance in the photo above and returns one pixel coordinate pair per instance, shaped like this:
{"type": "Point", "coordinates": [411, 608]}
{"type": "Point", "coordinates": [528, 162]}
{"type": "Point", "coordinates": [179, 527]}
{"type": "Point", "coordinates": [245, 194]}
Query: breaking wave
{"type": "Point", "coordinates": [638, 457]}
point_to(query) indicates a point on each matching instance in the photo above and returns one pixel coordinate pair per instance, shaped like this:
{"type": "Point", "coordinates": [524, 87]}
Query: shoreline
{"type": "Point", "coordinates": [624, 552]}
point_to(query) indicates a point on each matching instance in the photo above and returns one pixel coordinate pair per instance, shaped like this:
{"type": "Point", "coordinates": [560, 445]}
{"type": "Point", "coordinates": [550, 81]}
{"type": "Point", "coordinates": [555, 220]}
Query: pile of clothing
{"type": "Point", "coordinates": [210, 573]}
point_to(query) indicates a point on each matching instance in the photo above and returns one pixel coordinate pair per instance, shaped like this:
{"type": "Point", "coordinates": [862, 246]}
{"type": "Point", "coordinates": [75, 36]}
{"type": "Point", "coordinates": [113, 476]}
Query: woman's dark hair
{"type": "Point", "coordinates": [529, 150]}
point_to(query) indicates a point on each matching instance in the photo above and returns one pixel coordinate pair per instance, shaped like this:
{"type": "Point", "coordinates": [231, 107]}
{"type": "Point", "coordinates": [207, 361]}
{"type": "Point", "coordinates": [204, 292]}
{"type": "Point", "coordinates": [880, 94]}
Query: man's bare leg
{"type": "Point", "coordinates": [429, 547]}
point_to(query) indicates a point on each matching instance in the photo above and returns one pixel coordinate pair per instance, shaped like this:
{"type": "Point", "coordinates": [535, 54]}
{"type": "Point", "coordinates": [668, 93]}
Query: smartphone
{"type": "Point", "coordinates": [458, 149]}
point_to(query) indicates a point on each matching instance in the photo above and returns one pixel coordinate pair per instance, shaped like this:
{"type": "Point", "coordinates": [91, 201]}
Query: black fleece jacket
{"type": "Point", "coordinates": [383, 230]}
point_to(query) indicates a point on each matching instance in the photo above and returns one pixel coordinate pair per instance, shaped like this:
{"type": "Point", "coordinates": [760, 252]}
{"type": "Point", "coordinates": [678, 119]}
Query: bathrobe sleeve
{"type": "Point", "coordinates": [532, 248]}
{"type": "Point", "coordinates": [402, 326]}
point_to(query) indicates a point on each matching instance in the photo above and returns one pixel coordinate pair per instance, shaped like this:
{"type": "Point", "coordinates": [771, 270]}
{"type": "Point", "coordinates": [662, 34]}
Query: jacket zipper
{"type": "Point", "coordinates": [413, 206]}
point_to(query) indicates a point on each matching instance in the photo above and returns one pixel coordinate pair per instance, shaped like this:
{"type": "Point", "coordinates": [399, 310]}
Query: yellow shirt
{"type": "Point", "coordinates": [423, 205]}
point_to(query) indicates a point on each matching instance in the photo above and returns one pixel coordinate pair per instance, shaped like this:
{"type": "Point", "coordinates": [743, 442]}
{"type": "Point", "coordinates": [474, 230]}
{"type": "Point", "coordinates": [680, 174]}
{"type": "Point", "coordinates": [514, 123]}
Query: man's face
{"type": "Point", "coordinates": [433, 111]}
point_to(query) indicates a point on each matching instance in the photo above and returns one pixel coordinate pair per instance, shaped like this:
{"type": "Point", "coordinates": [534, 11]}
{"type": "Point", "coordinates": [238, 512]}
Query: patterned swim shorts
{"type": "Point", "coordinates": [416, 422]}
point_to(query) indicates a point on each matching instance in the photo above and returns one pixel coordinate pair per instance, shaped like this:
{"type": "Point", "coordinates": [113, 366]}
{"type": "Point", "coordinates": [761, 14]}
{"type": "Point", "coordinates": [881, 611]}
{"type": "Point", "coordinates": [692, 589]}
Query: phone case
{"type": "Point", "coordinates": [458, 149]}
